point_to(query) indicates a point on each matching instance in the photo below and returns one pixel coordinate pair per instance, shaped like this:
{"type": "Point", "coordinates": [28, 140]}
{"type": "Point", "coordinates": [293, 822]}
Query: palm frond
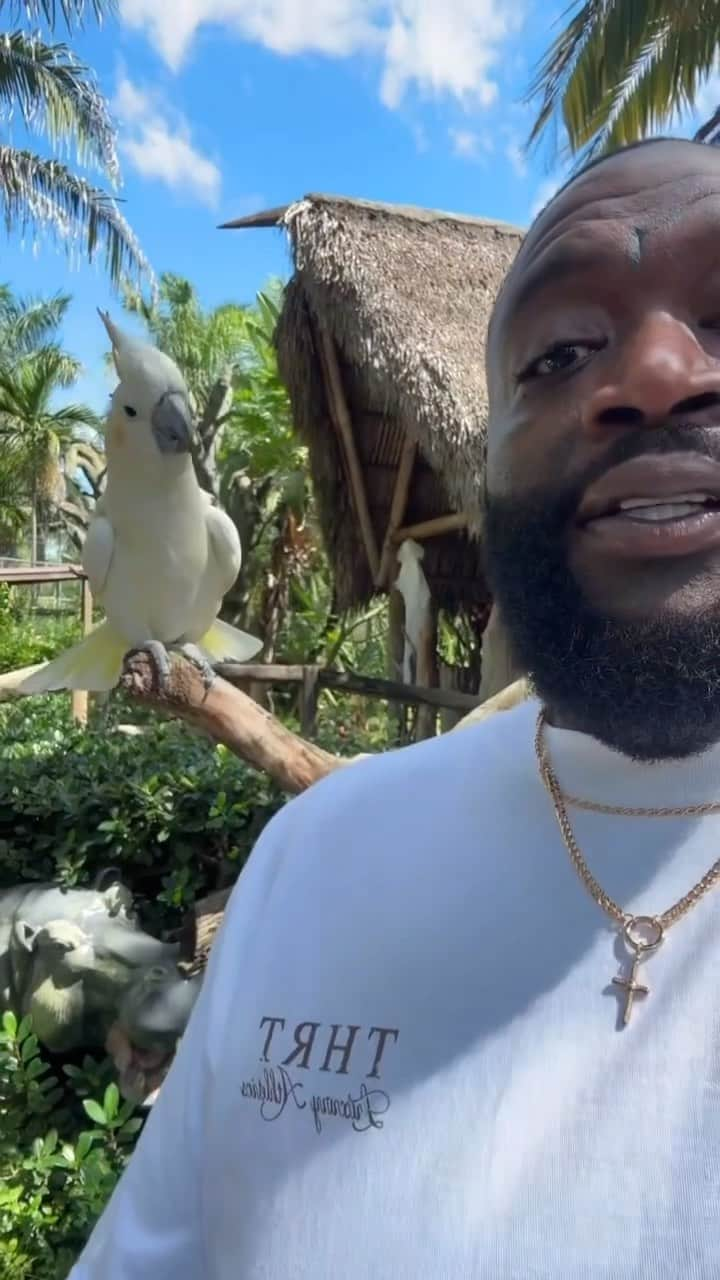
{"type": "Point", "coordinates": [71, 416]}
{"type": "Point", "coordinates": [56, 94]}
{"type": "Point", "coordinates": [72, 12]}
{"type": "Point", "coordinates": [664, 80]}
{"type": "Point", "coordinates": [28, 323]}
{"type": "Point", "coordinates": [26, 388]}
{"type": "Point", "coordinates": [620, 70]}
{"type": "Point", "coordinates": [559, 62]}
{"type": "Point", "coordinates": [48, 196]}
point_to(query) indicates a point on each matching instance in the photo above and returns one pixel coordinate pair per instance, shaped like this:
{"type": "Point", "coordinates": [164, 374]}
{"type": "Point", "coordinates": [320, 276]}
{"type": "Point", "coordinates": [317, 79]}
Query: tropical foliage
{"type": "Point", "coordinates": [35, 433]}
{"type": "Point", "coordinates": [55, 95]}
{"type": "Point", "coordinates": [620, 70]}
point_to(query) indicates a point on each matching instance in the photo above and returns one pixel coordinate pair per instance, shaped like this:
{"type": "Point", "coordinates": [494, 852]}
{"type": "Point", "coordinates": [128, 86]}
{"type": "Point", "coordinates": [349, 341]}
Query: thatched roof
{"type": "Point", "coordinates": [404, 294]}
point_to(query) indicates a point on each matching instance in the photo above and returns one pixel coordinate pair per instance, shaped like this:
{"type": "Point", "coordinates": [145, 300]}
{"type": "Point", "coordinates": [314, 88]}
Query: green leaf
{"type": "Point", "coordinates": [37, 1068]}
{"type": "Point", "coordinates": [111, 1102]}
{"type": "Point", "coordinates": [30, 1048]}
{"type": "Point", "coordinates": [95, 1112]}
{"type": "Point", "coordinates": [25, 1028]}
{"type": "Point", "coordinates": [131, 1127]}
{"type": "Point", "coordinates": [9, 1024]}
{"type": "Point", "coordinates": [50, 1142]}
{"type": "Point", "coordinates": [84, 1144]}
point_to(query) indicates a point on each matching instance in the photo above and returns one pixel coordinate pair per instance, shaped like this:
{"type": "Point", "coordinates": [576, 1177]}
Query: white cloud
{"type": "Point", "coordinates": [470, 146]}
{"type": "Point", "coordinates": [160, 148]}
{"type": "Point", "coordinates": [435, 46]}
{"type": "Point", "coordinates": [464, 143]}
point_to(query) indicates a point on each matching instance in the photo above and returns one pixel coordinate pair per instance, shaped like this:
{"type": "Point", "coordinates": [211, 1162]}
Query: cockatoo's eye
{"type": "Point", "coordinates": [131, 413]}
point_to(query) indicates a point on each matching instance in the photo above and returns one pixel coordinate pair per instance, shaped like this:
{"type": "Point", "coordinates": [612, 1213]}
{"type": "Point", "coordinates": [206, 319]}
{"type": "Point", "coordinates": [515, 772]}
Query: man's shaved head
{"type": "Point", "coordinates": [603, 476]}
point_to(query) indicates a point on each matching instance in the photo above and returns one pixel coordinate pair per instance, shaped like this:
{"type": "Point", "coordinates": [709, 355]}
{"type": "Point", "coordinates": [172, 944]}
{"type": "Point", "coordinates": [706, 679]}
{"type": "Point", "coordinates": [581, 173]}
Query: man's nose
{"type": "Point", "coordinates": [664, 372]}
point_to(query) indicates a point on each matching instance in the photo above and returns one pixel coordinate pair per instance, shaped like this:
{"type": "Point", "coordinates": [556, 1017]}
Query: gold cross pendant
{"type": "Point", "coordinates": [631, 989]}
{"type": "Point", "coordinates": [642, 935]}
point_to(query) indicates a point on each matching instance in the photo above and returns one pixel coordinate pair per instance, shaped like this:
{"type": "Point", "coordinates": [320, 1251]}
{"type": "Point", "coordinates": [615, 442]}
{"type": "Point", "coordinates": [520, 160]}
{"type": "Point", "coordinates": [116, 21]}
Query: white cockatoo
{"type": "Point", "coordinates": [413, 587]}
{"type": "Point", "coordinates": [158, 556]}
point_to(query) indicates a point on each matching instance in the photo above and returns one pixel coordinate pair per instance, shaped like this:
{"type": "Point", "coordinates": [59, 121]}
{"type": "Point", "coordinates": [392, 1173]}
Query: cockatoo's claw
{"type": "Point", "coordinates": [197, 659]}
{"type": "Point", "coordinates": [160, 661]}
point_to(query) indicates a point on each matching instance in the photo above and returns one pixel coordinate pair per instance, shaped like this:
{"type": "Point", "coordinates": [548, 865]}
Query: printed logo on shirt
{"type": "Point", "coordinates": [324, 1050]}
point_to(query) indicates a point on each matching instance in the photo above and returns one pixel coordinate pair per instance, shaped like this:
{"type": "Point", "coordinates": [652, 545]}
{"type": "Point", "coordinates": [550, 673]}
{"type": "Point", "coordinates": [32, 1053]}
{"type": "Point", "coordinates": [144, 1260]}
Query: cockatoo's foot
{"type": "Point", "coordinates": [197, 659]}
{"type": "Point", "coordinates": [160, 662]}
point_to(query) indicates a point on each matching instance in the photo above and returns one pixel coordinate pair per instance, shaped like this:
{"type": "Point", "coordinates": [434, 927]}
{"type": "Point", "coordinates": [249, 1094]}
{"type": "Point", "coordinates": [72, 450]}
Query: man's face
{"type": "Point", "coordinates": [603, 477]}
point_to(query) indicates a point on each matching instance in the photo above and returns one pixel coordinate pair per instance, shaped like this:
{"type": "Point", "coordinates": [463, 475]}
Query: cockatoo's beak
{"type": "Point", "coordinates": [172, 423]}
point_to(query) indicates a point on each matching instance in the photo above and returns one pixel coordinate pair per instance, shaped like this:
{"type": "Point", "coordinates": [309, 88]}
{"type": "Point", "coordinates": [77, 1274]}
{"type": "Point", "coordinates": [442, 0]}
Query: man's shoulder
{"type": "Point", "coordinates": [375, 825]}
{"type": "Point", "coordinates": [479, 755]}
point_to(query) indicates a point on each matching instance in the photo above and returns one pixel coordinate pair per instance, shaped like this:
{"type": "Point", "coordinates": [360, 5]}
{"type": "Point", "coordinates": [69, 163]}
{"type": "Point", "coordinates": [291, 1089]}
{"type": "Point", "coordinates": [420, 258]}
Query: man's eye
{"type": "Point", "coordinates": [564, 355]}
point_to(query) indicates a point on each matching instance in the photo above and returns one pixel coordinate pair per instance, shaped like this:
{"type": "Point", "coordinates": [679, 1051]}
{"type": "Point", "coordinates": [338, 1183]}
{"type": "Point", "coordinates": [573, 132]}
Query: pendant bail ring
{"type": "Point", "coordinates": [643, 933]}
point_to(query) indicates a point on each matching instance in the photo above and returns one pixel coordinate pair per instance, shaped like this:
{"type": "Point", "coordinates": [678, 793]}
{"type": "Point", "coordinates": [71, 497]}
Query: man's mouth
{"type": "Point", "coordinates": [653, 506]}
{"type": "Point", "coordinates": [676, 506]}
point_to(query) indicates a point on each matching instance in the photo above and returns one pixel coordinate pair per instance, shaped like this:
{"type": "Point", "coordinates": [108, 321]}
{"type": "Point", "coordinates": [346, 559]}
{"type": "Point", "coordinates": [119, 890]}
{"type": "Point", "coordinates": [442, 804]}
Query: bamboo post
{"type": "Point", "coordinates": [342, 420]}
{"type": "Point", "coordinates": [397, 509]}
{"type": "Point", "coordinates": [310, 691]}
{"type": "Point", "coordinates": [433, 528]}
{"type": "Point", "coordinates": [79, 696]}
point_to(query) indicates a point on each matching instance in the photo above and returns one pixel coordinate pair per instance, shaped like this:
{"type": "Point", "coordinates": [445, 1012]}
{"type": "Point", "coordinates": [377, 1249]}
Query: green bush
{"type": "Point", "coordinates": [175, 814]}
{"type": "Point", "coordinates": [22, 644]}
{"type": "Point", "coordinates": [65, 1137]}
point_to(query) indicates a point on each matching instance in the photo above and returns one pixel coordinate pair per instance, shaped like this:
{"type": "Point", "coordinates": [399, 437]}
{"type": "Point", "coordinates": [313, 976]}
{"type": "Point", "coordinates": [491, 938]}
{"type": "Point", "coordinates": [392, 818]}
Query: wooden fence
{"type": "Point", "coordinates": [38, 575]}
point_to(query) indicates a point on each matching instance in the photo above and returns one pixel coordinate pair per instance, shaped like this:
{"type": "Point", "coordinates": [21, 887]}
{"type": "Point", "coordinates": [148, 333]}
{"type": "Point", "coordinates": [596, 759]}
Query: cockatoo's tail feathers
{"type": "Point", "coordinates": [223, 643]}
{"type": "Point", "coordinates": [95, 665]}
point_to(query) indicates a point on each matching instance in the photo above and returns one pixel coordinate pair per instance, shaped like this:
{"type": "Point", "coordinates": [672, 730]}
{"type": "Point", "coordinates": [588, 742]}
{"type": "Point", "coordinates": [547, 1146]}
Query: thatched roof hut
{"type": "Point", "coordinates": [381, 344]}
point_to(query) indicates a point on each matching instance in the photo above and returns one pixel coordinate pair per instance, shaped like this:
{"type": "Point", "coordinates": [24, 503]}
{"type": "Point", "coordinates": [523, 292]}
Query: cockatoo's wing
{"type": "Point", "coordinates": [98, 553]}
{"type": "Point", "coordinates": [224, 643]}
{"type": "Point", "coordinates": [225, 547]}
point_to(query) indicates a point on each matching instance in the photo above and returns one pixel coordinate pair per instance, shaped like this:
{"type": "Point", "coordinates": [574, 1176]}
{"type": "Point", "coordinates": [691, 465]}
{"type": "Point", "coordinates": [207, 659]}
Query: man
{"type": "Point", "coordinates": [458, 1025]}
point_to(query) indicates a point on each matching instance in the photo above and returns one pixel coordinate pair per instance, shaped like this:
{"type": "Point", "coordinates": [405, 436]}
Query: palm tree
{"type": "Point", "coordinates": [28, 323]}
{"type": "Point", "coordinates": [622, 69]}
{"type": "Point", "coordinates": [55, 94]}
{"type": "Point", "coordinates": [34, 435]}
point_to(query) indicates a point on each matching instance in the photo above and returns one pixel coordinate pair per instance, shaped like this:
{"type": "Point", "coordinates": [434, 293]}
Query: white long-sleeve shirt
{"type": "Point", "coordinates": [406, 1062]}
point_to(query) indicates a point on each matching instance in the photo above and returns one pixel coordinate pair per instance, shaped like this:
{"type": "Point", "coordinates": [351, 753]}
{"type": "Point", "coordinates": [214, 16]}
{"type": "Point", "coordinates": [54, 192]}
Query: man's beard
{"type": "Point", "coordinates": [648, 688]}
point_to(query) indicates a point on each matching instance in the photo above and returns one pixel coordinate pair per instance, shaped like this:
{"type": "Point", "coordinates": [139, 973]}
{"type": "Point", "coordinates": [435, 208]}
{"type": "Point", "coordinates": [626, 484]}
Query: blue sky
{"type": "Point", "coordinates": [225, 107]}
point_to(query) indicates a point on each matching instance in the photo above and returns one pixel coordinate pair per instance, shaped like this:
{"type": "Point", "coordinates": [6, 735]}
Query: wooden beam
{"type": "Point", "coordinates": [239, 673]}
{"type": "Point", "coordinates": [23, 575]}
{"type": "Point", "coordinates": [432, 528]}
{"type": "Point", "coordinates": [342, 421]}
{"type": "Point", "coordinates": [397, 509]}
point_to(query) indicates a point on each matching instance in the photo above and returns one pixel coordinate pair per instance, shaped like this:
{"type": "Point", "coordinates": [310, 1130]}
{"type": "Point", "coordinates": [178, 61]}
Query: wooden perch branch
{"type": "Point", "coordinates": [229, 717]}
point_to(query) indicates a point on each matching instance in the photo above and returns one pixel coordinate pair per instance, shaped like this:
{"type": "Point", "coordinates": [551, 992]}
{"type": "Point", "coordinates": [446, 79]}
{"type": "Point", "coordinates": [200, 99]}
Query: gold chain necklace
{"type": "Point", "coordinates": [642, 934]}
